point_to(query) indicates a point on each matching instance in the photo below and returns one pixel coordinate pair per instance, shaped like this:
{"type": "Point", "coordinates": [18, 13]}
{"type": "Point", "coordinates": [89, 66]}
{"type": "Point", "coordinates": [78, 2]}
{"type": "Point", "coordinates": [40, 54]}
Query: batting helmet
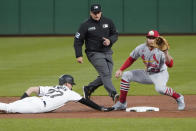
{"type": "Point", "coordinates": [66, 79]}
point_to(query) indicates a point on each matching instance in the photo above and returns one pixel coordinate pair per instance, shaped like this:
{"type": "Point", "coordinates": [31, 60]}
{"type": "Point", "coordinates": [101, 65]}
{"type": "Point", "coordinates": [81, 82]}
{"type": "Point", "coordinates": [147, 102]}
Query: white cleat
{"type": "Point", "coordinates": [181, 104]}
{"type": "Point", "coordinates": [120, 106]}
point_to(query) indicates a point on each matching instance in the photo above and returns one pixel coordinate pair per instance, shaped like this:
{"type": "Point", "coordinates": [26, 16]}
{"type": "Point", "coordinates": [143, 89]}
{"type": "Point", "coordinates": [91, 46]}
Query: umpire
{"type": "Point", "coordinates": [99, 34]}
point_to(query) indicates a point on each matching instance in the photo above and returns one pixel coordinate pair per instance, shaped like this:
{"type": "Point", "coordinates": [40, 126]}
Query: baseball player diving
{"type": "Point", "coordinates": [49, 98]}
{"type": "Point", "coordinates": [155, 56]}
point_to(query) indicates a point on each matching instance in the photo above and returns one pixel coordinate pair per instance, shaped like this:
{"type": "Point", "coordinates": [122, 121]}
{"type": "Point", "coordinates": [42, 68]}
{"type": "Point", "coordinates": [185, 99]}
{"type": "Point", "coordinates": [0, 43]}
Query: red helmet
{"type": "Point", "coordinates": [153, 33]}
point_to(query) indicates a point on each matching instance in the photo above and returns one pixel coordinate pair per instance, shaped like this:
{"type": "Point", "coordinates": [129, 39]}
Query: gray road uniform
{"type": "Point", "coordinates": [155, 73]}
{"type": "Point", "coordinates": [100, 56]}
{"type": "Point", "coordinates": [51, 98]}
{"type": "Point", "coordinates": [156, 69]}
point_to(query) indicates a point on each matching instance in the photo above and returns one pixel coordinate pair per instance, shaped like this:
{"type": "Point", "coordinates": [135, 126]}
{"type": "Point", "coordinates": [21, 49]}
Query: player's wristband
{"type": "Point", "coordinates": [24, 95]}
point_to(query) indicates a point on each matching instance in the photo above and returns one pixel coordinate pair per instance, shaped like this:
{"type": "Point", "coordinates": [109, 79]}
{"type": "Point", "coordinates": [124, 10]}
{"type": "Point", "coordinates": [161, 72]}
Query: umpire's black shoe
{"type": "Point", "coordinates": [86, 92]}
{"type": "Point", "coordinates": [116, 98]}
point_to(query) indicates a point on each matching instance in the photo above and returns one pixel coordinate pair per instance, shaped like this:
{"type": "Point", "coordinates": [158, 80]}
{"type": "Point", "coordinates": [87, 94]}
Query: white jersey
{"type": "Point", "coordinates": [57, 96]}
{"type": "Point", "coordinates": [50, 99]}
{"type": "Point", "coordinates": [153, 59]}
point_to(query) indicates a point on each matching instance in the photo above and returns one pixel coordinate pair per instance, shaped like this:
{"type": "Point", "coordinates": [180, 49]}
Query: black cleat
{"type": "Point", "coordinates": [86, 92]}
{"type": "Point", "coordinates": [116, 98]}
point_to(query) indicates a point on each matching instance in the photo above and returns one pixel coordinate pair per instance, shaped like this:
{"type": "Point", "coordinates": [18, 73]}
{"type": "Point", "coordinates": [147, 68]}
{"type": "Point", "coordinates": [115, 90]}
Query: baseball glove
{"type": "Point", "coordinates": [161, 43]}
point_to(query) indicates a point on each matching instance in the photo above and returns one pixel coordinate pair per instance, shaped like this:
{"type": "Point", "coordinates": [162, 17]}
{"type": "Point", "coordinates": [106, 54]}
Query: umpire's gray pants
{"type": "Point", "coordinates": [102, 62]}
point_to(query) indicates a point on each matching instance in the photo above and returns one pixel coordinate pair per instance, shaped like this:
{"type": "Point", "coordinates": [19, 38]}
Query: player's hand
{"type": "Point", "coordinates": [107, 109]}
{"type": "Point", "coordinates": [166, 52]}
{"type": "Point", "coordinates": [80, 60]}
{"type": "Point", "coordinates": [118, 73]}
{"type": "Point", "coordinates": [106, 41]}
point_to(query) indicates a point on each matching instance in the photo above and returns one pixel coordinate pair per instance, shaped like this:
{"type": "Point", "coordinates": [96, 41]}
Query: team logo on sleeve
{"type": "Point", "coordinates": [77, 35]}
{"type": "Point", "coordinates": [105, 25]}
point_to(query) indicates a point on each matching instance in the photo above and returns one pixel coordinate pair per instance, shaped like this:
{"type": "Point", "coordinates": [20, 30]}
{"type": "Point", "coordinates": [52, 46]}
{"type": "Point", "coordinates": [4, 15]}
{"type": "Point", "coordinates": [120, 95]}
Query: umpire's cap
{"type": "Point", "coordinates": [66, 79]}
{"type": "Point", "coordinates": [95, 8]}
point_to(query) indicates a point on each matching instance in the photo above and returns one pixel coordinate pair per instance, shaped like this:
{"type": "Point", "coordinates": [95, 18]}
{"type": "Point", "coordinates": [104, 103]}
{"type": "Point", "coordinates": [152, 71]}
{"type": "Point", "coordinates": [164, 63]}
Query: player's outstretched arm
{"type": "Point", "coordinates": [93, 105]}
{"type": "Point", "coordinates": [129, 61]}
{"type": "Point", "coordinates": [29, 91]}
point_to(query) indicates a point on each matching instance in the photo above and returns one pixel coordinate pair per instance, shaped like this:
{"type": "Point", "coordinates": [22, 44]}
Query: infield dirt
{"type": "Point", "coordinates": [167, 105]}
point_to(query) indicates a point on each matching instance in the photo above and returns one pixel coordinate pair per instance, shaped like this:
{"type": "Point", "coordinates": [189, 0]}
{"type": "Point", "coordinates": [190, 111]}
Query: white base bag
{"type": "Point", "coordinates": [142, 109]}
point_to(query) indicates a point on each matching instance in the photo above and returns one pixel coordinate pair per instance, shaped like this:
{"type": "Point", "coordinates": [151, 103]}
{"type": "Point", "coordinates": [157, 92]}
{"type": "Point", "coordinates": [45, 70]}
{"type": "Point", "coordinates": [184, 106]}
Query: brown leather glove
{"type": "Point", "coordinates": [161, 43]}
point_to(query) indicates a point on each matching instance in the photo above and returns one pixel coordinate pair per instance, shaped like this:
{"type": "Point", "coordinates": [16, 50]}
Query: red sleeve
{"type": "Point", "coordinates": [170, 64]}
{"type": "Point", "coordinates": [127, 63]}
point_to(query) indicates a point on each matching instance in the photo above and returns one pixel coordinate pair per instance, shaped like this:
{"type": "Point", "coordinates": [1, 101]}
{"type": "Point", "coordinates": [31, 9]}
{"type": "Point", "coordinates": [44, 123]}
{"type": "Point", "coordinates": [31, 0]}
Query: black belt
{"type": "Point", "coordinates": [153, 72]}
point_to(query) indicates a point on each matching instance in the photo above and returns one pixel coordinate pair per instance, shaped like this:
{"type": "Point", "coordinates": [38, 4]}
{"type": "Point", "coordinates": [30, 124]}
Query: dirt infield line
{"type": "Point", "coordinates": [168, 108]}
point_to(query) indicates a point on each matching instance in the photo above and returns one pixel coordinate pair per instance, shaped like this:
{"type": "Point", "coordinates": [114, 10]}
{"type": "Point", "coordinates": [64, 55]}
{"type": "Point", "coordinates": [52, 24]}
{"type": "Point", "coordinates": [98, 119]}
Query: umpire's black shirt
{"type": "Point", "coordinates": [92, 32]}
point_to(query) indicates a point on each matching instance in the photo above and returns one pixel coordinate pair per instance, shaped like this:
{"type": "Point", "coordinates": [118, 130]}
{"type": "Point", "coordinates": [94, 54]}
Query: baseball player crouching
{"type": "Point", "coordinates": [156, 62]}
{"type": "Point", "coordinates": [49, 98]}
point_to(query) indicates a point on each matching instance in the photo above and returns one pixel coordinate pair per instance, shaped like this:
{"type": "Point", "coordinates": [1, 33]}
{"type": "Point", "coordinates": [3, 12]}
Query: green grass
{"type": "Point", "coordinates": [26, 62]}
{"type": "Point", "coordinates": [35, 61]}
{"type": "Point", "coordinates": [124, 124]}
